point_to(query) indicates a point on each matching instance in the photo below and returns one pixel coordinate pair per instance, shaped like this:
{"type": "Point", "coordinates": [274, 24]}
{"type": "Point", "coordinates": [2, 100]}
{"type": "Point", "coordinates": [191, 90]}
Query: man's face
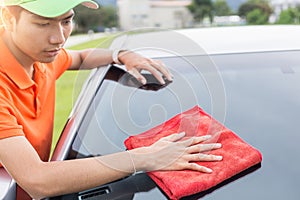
{"type": "Point", "coordinates": [40, 39]}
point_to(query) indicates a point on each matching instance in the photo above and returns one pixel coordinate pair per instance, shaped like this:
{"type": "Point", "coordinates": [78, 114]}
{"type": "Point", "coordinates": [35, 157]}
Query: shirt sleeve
{"type": "Point", "coordinates": [9, 126]}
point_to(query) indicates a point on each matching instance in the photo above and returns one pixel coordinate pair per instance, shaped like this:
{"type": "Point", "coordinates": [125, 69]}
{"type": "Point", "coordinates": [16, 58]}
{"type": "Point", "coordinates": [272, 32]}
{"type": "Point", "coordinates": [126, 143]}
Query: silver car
{"type": "Point", "coordinates": [247, 77]}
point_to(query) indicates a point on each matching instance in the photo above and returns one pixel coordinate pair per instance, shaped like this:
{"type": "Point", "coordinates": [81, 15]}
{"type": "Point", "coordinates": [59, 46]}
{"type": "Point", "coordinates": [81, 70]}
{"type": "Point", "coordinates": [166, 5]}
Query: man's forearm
{"type": "Point", "coordinates": [61, 177]}
{"type": "Point", "coordinates": [90, 58]}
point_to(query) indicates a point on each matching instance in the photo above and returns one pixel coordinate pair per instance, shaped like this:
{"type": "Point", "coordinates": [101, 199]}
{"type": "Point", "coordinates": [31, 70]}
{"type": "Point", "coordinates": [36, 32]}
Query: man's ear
{"type": "Point", "coordinates": [7, 19]}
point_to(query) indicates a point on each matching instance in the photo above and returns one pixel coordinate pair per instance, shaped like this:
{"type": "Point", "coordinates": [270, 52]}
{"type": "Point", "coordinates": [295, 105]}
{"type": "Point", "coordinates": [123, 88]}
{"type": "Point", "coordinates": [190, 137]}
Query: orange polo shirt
{"type": "Point", "coordinates": [26, 105]}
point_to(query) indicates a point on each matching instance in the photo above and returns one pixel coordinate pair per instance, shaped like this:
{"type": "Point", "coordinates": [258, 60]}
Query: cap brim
{"type": "Point", "coordinates": [54, 8]}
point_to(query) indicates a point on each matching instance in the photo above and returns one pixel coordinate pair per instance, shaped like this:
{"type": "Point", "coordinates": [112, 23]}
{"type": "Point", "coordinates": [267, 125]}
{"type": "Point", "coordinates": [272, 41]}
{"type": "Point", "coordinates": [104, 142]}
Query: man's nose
{"type": "Point", "coordinates": [57, 35]}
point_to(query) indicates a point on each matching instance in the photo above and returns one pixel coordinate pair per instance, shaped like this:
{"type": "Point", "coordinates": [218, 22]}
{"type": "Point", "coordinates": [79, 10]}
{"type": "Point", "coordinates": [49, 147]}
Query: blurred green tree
{"type": "Point", "coordinates": [87, 19]}
{"type": "Point", "coordinates": [254, 8]}
{"type": "Point", "coordinates": [289, 16]}
{"type": "Point", "coordinates": [221, 8]}
{"type": "Point", "coordinates": [201, 9]}
{"type": "Point", "coordinates": [257, 17]}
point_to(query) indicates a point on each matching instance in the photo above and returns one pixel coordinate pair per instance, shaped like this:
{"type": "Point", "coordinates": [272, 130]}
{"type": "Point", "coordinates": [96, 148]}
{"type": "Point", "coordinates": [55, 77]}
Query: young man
{"type": "Point", "coordinates": [32, 57]}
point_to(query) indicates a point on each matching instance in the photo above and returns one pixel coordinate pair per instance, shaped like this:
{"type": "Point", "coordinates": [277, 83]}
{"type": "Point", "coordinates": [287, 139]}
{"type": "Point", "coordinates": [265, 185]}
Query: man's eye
{"type": "Point", "coordinates": [67, 22]}
{"type": "Point", "coordinates": [43, 24]}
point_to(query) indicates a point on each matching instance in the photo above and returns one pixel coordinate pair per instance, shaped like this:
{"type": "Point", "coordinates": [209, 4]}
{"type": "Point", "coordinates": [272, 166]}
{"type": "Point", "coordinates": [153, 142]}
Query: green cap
{"type": "Point", "coordinates": [49, 8]}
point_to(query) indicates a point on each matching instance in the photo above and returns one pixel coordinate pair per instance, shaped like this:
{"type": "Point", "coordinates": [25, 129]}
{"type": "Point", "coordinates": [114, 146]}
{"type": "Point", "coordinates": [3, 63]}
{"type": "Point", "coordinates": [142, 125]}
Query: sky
{"type": "Point", "coordinates": [106, 2]}
{"type": "Point", "coordinates": [234, 4]}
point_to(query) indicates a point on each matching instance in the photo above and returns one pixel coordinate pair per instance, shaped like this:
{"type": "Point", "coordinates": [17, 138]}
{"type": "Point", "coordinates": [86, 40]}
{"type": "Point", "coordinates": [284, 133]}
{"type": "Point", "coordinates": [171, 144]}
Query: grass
{"type": "Point", "coordinates": [68, 87]}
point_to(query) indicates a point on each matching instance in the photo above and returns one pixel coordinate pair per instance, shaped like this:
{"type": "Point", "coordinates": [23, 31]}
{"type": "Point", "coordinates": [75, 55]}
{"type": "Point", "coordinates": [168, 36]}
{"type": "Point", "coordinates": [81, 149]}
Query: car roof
{"type": "Point", "coordinates": [239, 39]}
{"type": "Point", "coordinates": [212, 40]}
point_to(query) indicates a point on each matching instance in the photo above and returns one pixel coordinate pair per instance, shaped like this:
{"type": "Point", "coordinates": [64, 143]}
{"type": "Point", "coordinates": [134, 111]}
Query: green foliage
{"type": "Point", "coordinates": [259, 10]}
{"type": "Point", "coordinates": [109, 16]}
{"type": "Point", "coordinates": [286, 17]}
{"type": "Point", "coordinates": [221, 8]}
{"type": "Point", "coordinates": [87, 19]}
{"type": "Point", "coordinates": [201, 9]}
{"type": "Point", "coordinates": [251, 5]}
{"type": "Point", "coordinates": [257, 17]}
{"type": "Point", "coordinates": [289, 16]}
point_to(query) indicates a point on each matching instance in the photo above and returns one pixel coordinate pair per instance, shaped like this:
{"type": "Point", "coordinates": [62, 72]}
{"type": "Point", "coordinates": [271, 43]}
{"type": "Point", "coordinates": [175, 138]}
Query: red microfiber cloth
{"type": "Point", "coordinates": [237, 154]}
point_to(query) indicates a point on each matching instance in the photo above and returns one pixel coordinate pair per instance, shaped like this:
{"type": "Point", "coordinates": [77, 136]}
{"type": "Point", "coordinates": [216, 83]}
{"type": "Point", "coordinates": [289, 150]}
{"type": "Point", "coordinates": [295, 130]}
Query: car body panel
{"type": "Point", "coordinates": [245, 77]}
{"type": "Point", "coordinates": [259, 108]}
{"type": "Point", "coordinates": [7, 186]}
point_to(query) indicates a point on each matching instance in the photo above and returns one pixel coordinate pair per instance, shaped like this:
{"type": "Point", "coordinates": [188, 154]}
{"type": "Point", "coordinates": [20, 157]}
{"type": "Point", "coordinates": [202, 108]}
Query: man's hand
{"type": "Point", "coordinates": [135, 63]}
{"type": "Point", "coordinates": [175, 153]}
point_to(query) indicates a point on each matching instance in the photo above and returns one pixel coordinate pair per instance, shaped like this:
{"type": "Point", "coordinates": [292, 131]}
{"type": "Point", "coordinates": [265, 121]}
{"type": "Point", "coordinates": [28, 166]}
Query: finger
{"type": "Point", "coordinates": [154, 72]}
{"type": "Point", "coordinates": [174, 137]}
{"type": "Point", "coordinates": [203, 147]}
{"type": "Point", "coordinates": [161, 67]}
{"type": "Point", "coordinates": [196, 140]}
{"type": "Point", "coordinates": [135, 73]}
{"type": "Point", "coordinates": [201, 157]}
{"type": "Point", "coordinates": [200, 168]}
{"type": "Point", "coordinates": [200, 139]}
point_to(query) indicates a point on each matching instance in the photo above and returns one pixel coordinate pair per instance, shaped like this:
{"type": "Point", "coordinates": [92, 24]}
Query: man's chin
{"type": "Point", "coordinates": [47, 60]}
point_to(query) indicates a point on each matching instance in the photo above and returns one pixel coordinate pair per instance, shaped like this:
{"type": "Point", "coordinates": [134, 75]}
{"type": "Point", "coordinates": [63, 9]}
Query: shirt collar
{"type": "Point", "coordinates": [12, 68]}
